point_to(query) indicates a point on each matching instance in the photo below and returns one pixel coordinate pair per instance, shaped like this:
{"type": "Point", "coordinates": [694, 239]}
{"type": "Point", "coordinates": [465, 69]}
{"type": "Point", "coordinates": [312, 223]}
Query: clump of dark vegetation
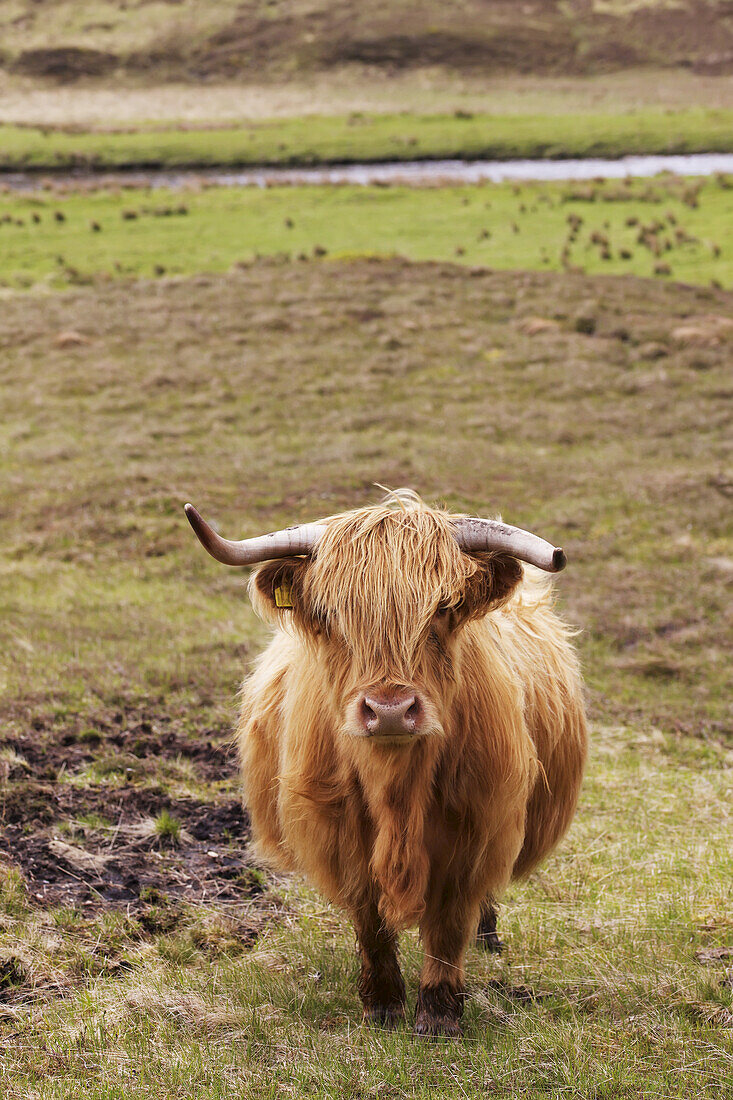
{"type": "Point", "coordinates": [13, 976]}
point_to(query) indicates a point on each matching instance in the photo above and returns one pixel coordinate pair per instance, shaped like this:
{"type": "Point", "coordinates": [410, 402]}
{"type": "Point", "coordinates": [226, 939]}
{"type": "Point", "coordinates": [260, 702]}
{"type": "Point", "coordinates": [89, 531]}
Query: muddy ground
{"type": "Point", "coordinates": [95, 847]}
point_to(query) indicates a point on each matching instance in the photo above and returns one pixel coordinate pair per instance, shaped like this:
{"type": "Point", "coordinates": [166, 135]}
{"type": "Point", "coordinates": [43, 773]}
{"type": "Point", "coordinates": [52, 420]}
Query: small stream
{"type": "Point", "coordinates": [407, 173]}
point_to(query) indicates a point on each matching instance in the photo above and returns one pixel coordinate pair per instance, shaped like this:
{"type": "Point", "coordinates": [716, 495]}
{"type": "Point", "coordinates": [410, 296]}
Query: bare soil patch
{"type": "Point", "coordinates": [93, 844]}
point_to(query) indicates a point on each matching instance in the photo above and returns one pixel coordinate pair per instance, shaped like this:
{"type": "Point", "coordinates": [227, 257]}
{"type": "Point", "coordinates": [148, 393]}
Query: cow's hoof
{"type": "Point", "coordinates": [438, 1012]}
{"type": "Point", "coordinates": [490, 941]}
{"type": "Point", "coordinates": [428, 1026]}
{"type": "Point", "coordinates": [385, 1016]}
{"type": "Point", "coordinates": [487, 935]}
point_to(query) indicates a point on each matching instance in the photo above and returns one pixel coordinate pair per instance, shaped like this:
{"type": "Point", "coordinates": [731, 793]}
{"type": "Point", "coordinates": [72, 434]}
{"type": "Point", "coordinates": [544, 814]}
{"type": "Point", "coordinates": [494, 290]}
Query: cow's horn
{"type": "Point", "coordinates": [278, 544]}
{"type": "Point", "coordinates": [489, 534]}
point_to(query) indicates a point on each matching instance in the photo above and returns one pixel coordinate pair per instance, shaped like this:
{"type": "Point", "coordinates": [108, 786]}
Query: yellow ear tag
{"type": "Point", "coordinates": [282, 595]}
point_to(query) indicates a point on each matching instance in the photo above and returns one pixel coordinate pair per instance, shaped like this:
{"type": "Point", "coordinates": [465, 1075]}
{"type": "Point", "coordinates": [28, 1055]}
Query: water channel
{"type": "Point", "coordinates": [406, 173]}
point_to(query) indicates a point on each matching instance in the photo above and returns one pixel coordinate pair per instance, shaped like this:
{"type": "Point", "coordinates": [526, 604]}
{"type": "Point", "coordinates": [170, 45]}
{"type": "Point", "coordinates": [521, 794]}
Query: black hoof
{"type": "Point", "coordinates": [437, 1027]}
{"type": "Point", "coordinates": [385, 1016]}
{"type": "Point", "coordinates": [438, 1012]}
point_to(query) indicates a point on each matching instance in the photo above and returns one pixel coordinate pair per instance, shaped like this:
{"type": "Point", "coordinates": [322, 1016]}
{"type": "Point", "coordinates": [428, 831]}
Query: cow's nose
{"type": "Point", "coordinates": [393, 714]}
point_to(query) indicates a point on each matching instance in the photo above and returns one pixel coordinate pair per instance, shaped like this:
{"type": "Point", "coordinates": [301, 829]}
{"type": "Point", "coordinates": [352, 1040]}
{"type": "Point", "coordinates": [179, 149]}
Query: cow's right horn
{"type": "Point", "coordinates": [491, 534]}
{"type": "Point", "coordinates": [277, 544]}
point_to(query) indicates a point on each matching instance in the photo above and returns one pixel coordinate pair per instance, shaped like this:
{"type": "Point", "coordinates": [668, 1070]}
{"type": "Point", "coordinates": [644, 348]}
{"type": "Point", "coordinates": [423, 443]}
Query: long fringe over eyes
{"type": "Point", "coordinates": [358, 573]}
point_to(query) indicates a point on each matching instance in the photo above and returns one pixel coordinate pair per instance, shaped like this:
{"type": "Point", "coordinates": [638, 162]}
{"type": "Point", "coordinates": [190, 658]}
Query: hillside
{"type": "Point", "coordinates": [251, 40]}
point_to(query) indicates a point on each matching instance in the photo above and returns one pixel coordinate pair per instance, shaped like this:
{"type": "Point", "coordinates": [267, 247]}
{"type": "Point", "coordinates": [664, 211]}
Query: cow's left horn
{"type": "Point", "coordinates": [489, 534]}
{"type": "Point", "coordinates": [278, 544]}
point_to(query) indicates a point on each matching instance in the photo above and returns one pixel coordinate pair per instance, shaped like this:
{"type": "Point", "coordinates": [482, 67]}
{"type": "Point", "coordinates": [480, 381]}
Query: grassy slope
{"type": "Point", "coordinates": [323, 139]}
{"type": "Point", "coordinates": [497, 226]}
{"type": "Point", "coordinates": [605, 72]}
{"type": "Point", "coordinates": [280, 393]}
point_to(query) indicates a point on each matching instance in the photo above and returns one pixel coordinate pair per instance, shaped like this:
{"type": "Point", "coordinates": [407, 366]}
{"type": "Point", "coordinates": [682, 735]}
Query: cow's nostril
{"type": "Point", "coordinates": [412, 714]}
{"type": "Point", "coordinates": [368, 716]}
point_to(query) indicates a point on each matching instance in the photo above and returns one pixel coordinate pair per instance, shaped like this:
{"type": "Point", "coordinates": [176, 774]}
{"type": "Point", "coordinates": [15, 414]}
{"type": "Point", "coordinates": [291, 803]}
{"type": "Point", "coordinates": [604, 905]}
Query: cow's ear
{"type": "Point", "coordinates": [490, 586]}
{"type": "Point", "coordinates": [276, 587]}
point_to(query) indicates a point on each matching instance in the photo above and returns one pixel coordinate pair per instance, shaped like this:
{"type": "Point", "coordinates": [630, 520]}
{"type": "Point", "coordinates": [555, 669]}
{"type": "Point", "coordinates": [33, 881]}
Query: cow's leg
{"type": "Point", "coordinates": [446, 932]}
{"type": "Point", "coordinates": [487, 935]}
{"type": "Point", "coordinates": [381, 986]}
{"type": "Point", "coordinates": [455, 898]}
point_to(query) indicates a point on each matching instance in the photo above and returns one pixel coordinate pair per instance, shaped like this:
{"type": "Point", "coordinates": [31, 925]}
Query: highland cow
{"type": "Point", "coordinates": [414, 735]}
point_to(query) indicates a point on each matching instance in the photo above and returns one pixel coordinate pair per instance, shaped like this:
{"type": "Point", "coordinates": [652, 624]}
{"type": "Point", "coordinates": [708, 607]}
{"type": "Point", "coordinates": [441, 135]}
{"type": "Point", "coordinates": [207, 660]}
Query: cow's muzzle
{"type": "Point", "coordinates": [396, 713]}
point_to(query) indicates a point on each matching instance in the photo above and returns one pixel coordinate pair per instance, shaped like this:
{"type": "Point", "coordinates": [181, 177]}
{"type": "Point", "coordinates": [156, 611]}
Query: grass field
{"type": "Point", "coordinates": [141, 953]}
{"type": "Point", "coordinates": [677, 228]}
{"type": "Point", "coordinates": [359, 137]}
{"type": "Point", "coordinates": [271, 355]}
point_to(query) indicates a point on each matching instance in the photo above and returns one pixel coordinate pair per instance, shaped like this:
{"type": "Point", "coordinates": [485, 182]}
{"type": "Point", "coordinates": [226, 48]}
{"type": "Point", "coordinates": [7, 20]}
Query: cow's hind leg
{"type": "Point", "coordinates": [487, 935]}
{"type": "Point", "coordinates": [381, 986]}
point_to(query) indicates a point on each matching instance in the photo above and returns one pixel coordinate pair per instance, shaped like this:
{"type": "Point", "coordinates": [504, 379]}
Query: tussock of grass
{"type": "Point", "coordinates": [167, 828]}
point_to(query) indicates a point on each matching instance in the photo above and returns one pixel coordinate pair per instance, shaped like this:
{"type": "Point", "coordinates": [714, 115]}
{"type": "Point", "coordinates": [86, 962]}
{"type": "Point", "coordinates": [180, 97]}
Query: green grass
{"type": "Point", "coordinates": [281, 392]}
{"type": "Point", "coordinates": [361, 137]}
{"type": "Point", "coordinates": [167, 828]}
{"type": "Point", "coordinates": [108, 233]}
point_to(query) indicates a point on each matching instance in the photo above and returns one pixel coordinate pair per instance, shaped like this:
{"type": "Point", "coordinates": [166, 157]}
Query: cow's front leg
{"type": "Point", "coordinates": [381, 986]}
{"type": "Point", "coordinates": [441, 995]}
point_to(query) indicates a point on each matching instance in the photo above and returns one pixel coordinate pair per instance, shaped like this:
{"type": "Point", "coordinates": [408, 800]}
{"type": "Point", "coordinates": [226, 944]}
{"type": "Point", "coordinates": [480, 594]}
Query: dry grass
{"type": "Point", "coordinates": [251, 393]}
{"type": "Point", "coordinates": [432, 90]}
{"type": "Point", "coordinates": [613, 983]}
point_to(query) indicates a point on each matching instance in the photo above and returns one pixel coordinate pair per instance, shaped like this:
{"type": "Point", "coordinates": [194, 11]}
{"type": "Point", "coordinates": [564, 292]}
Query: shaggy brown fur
{"type": "Point", "coordinates": [426, 831]}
